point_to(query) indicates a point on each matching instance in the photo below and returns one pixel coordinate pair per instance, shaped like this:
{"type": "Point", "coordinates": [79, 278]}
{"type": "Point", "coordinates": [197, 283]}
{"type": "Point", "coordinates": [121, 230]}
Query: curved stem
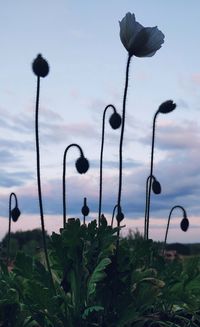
{"type": "Point", "coordinates": [39, 180]}
{"type": "Point", "coordinates": [101, 160]}
{"type": "Point", "coordinates": [63, 179]}
{"type": "Point", "coordinates": [9, 224]}
{"type": "Point", "coordinates": [184, 214]}
{"type": "Point", "coordinates": [113, 214]}
{"type": "Point", "coordinates": [150, 176]}
{"type": "Point", "coordinates": [122, 136]}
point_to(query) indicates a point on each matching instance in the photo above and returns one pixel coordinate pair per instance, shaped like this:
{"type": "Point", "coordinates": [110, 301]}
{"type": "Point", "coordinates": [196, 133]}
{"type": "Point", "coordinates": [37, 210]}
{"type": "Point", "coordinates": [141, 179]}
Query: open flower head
{"type": "Point", "coordinates": [138, 40]}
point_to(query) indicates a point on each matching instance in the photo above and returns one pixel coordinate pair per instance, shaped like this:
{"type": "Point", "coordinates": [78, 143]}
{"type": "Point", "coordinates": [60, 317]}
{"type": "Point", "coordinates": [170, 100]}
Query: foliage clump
{"type": "Point", "coordinates": [99, 286]}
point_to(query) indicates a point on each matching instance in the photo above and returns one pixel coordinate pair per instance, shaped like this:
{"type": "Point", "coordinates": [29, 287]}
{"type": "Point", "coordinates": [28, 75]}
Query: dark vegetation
{"type": "Point", "coordinates": [94, 287]}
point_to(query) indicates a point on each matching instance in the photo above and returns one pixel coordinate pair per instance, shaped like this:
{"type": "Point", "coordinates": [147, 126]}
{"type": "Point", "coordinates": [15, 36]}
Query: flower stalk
{"type": "Point", "coordinates": [184, 223]}
{"type": "Point", "coordinates": [13, 215]}
{"type": "Point", "coordinates": [121, 140]}
{"type": "Point", "coordinates": [115, 122]}
{"type": "Point", "coordinates": [41, 69]}
{"type": "Point", "coordinates": [165, 108]}
{"type": "Point", "coordinates": [85, 210]}
{"type": "Point", "coordinates": [82, 166]}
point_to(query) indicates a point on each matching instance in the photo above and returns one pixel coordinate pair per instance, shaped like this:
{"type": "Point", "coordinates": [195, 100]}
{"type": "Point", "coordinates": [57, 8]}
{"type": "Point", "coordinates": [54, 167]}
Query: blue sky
{"type": "Point", "coordinates": [80, 40]}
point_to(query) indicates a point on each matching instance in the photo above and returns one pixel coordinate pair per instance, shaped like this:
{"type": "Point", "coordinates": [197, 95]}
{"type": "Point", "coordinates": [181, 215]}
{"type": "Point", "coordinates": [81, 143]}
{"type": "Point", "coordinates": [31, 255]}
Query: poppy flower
{"type": "Point", "coordinates": [138, 40]}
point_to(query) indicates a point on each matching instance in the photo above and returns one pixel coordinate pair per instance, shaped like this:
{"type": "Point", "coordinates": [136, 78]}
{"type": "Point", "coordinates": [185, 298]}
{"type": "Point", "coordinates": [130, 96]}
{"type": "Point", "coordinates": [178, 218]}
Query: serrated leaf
{"type": "Point", "coordinates": [24, 265]}
{"type": "Point", "coordinates": [97, 276]}
{"type": "Point", "coordinates": [89, 310]}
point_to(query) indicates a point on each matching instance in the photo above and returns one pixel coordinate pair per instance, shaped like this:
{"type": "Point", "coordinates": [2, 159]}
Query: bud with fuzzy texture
{"type": "Point", "coordinates": [156, 187]}
{"type": "Point", "coordinates": [119, 216]}
{"type": "Point", "coordinates": [40, 66]}
{"type": "Point", "coordinates": [82, 165]}
{"type": "Point", "coordinates": [167, 107]}
{"type": "Point", "coordinates": [115, 120]}
{"type": "Point", "coordinates": [15, 213]}
{"type": "Point", "coordinates": [85, 209]}
{"type": "Point", "coordinates": [184, 224]}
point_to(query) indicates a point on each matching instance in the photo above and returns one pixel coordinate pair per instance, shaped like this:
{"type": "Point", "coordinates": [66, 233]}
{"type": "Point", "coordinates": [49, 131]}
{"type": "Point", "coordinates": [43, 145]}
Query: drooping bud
{"type": "Point", "coordinates": [156, 187]}
{"type": "Point", "coordinates": [119, 216]}
{"type": "Point", "coordinates": [82, 165]}
{"type": "Point", "coordinates": [40, 66]}
{"type": "Point", "coordinates": [15, 213]}
{"type": "Point", "coordinates": [184, 224]}
{"type": "Point", "coordinates": [167, 107]}
{"type": "Point", "coordinates": [115, 120]}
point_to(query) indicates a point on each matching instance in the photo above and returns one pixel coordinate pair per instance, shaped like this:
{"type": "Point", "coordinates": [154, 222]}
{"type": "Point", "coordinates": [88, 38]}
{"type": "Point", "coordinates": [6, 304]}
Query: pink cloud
{"type": "Point", "coordinates": [196, 78]}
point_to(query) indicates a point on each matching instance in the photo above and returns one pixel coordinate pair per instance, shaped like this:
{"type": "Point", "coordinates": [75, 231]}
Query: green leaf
{"type": "Point", "coordinates": [24, 265]}
{"type": "Point", "coordinates": [90, 310]}
{"type": "Point", "coordinates": [97, 276]}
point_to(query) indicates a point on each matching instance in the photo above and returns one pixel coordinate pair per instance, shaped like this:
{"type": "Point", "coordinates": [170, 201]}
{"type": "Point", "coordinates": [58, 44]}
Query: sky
{"type": "Point", "coordinates": [80, 40]}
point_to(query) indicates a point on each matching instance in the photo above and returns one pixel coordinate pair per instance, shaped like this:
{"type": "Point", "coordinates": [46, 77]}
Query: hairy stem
{"type": "Point", "coordinates": [122, 137]}
{"type": "Point", "coordinates": [64, 177]}
{"type": "Point", "coordinates": [101, 160]}
{"type": "Point", "coordinates": [39, 181]}
{"type": "Point", "coordinates": [166, 233]}
{"type": "Point", "coordinates": [150, 177]}
{"type": "Point", "coordinates": [9, 224]}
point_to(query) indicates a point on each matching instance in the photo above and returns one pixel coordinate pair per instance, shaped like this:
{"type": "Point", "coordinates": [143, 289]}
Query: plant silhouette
{"type": "Point", "coordinates": [82, 166]}
{"type": "Point", "coordinates": [183, 225]}
{"type": "Point", "coordinates": [13, 215]}
{"type": "Point", "coordinates": [41, 69]}
{"type": "Point", "coordinates": [165, 108]}
{"type": "Point", "coordinates": [115, 123]}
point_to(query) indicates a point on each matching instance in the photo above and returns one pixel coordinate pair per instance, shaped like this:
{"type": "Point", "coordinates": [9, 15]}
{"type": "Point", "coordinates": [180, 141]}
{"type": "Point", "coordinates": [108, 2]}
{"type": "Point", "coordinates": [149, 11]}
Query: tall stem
{"type": "Point", "coordinates": [101, 160]}
{"type": "Point", "coordinates": [9, 224]}
{"type": "Point", "coordinates": [184, 213]}
{"type": "Point", "coordinates": [113, 214]}
{"type": "Point", "coordinates": [39, 181]}
{"type": "Point", "coordinates": [122, 137]}
{"type": "Point", "coordinates": [145, 215]}
{"type": "Point", "coordinates": [64, 176]}
{"type": "Point", "coordinates": [147, 210]}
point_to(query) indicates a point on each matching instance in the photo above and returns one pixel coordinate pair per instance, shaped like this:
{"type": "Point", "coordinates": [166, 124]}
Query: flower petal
{"type": "Point", "coordinates": [154, 42]}
{"type": "Point", "coordinates": [129, 29]}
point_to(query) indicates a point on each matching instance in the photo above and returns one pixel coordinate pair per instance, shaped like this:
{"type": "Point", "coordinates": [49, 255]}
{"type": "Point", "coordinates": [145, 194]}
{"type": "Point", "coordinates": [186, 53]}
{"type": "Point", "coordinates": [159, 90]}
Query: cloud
{"type": "Point", "coordinates": [14, 179]}
{"type": "Point", "coordinates": [175, 137]}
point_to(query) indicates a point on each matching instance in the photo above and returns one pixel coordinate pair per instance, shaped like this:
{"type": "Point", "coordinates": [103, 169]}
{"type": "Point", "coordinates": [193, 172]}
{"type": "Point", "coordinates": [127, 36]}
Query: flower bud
{"type": "Point", "coordinates": [156, 187]}
{"type": "Point", "coordinates": [119, 216]}
{"type": "Point", "coordinates": [167, 107]}
{"type": "Point", "coordinates": [184, 224]}
{"type": "Point", "coordinates": [15, 213]}
{"type": "Point", "coordinates": [85, 210]}
{"type": "Point", "coordinates": [82, 165]}
{"type": "Point", "coordinates": [40, 66]}
{"type": "Point", "coordinates": [115, 120]}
